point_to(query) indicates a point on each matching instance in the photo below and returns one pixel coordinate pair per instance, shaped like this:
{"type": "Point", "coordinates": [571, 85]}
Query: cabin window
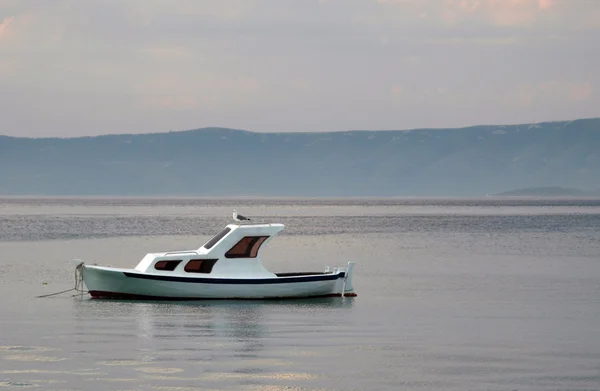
{"type": "Point", "coordinates": [216, 238]}
{"type": "Point", "coordinates": [167, 266]}
{"type": "Point", "coordinates": [247, 247]}
{"type": "Point", "coordinates": [200, 265]}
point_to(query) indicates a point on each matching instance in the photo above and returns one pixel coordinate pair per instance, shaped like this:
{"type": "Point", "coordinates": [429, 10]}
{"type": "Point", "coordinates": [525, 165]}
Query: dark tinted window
{"type": "Point", "coordinates": [216, 238]}
{"type": "Point", "coordinates": [166, 265]}
{"type": "Point", "coordinates": [200, 265]}
{"type": "Point", "coordinates": [256, 245]}
{"type": "Point", "coordinates": [247, 247]}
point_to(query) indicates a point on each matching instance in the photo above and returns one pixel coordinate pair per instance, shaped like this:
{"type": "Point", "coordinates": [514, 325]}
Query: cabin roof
{"type": "Point", "coordinates": [233, 233]}
{"type": "Point", "coordinates": [259, 228]}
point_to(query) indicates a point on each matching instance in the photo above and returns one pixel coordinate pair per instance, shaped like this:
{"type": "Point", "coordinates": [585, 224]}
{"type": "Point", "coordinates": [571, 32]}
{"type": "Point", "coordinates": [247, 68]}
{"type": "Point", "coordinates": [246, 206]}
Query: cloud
{"type": "Point", "coordinates": [165, 91]}
{"type": "Point", "coordinates": [475, 40]}
{"type": "Point", "coordinates": [544, 4]}
{"type": "Point", "coordinates": [165, 52]}
{"type": "Point", "coordinates": [211, 91]}
{"type": "Point", "coordinates": [6, 65]}
{"type": "Point", "coordinates": [580, 92]}
{"type": "Point", "coordinates": [149, 11]}
{"type": "Point", "coordinates": [567, 91]}
{"type": "Point", "coordinates": [260, 63]}
{"type": "Point", "coordinates": [500, 12]}
{"type": "Point", "coordinates": [453, 12]}
{"type": "Point", "coordinates": [5, 27]}
{"type": "Point", "coordinates": [552, 91]}
{"type": "Point", "coordinates": [180, 102]}
{"type": "Point", "coordinates": [32, 29]}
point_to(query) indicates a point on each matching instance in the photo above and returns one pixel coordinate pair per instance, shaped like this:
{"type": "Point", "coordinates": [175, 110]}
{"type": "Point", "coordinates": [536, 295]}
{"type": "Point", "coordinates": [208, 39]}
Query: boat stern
{"type": "Point", "coordinates": [347, 287]}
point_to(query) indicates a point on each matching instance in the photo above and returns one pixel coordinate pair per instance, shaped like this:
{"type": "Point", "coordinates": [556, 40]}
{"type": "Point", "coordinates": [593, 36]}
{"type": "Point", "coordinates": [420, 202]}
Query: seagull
{"type": "Point", "coordinates": [238, 217]}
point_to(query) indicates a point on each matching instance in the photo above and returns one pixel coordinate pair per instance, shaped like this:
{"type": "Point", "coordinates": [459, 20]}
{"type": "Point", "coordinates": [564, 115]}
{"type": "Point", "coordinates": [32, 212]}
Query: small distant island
{"type": "Point", "coordinates": [547, 191]}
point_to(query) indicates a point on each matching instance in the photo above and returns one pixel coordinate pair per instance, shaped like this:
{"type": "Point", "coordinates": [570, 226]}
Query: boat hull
{"type": "Point", "coordinates": [128, 284]}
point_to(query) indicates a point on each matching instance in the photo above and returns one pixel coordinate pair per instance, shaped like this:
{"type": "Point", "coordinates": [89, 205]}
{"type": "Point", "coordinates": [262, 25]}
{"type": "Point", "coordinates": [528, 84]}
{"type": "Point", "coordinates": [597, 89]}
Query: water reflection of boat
{"type": "Point", "coordinates": [228, 266]}
{"type": "Point", "coordinates": [242, 323]}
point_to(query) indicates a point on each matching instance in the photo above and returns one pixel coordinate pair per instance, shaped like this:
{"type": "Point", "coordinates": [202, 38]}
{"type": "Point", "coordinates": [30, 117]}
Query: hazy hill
{"type": "Point", "coordinates": [462, 162]}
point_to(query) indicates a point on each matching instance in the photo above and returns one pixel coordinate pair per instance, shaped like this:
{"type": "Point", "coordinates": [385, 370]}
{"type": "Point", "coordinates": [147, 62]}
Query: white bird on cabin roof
{"type": "Point", "coordinates": [238, 217]}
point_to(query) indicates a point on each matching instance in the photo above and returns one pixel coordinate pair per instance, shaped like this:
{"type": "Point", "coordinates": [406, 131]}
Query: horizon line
{"type": "Point", "coordinates": [296, 132]}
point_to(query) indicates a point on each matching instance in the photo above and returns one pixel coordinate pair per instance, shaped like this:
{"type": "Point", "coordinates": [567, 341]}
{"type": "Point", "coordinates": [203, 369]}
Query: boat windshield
{"type": "Point", "coordinates": [216, 238]}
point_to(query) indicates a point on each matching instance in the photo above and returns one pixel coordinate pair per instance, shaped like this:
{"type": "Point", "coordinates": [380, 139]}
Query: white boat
{"type": "Point", "coordinates": [228, 266]}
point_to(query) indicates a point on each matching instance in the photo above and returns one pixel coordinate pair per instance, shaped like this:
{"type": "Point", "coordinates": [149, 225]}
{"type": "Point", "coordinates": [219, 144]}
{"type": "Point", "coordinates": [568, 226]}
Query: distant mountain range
{"type": "Point", "coordinates": [472, 161]}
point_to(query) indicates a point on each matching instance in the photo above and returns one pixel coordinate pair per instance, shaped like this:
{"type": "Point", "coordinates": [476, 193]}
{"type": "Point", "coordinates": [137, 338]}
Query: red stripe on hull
{"type": "Point", "coordinates": [130, 296]}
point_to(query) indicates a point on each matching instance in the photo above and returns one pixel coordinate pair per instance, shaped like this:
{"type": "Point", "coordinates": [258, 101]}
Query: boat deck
{"type": "Point", "coordinates": [299, 274]}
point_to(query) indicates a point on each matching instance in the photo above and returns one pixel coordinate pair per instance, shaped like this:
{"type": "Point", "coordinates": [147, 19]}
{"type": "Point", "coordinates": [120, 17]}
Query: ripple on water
{"type": "Point", "coordinates": [34, 358]}
{"type": "Point", "coordinates": [123, 363]}
{"type": "Point", "coordinates": [159, 370]}
{"type": "Point", "coordinates": [265, 362]}
{"type": "Point", "coordinates": [113, 379]}
{"type": "Point", "coordinates": [18, 348]}
{"type": "Point", "coordinates": [261, 376]}
{"type": "Point", "coordinates": [50, 372]}
{"type": "Point", "coordinates": [12, 384]}
{"type": "Point", "coordinates": [285, 388]}
{"type": "Point", "coordinates": [180, 388]}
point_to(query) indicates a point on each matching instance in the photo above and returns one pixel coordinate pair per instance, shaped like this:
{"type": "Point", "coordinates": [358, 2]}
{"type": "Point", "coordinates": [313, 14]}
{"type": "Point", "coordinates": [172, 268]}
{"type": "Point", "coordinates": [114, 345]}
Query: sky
{"type": "Point", "coordinates": [78, 68]}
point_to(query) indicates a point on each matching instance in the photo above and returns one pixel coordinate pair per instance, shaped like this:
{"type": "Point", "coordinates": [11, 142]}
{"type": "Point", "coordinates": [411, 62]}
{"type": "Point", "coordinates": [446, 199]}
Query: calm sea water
{"type": "Point", "coordinates": [481, 294]}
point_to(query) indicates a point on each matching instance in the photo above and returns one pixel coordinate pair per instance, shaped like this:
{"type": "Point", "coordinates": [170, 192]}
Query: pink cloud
{"type": "Point", "coordinates": [545, 92]}
{"type": "Point", "coordinates": [167, 92]}
{"type": "Point", "coordinates": [468, 5]}
{"type": "Point", "coordinates": [5, 27]}
{"type": "Point", "coordinates": [398, 1]}
{"type": "Point", "coordinates": [511, 12]}
{"type": "Point", "coordinates": [498, 12]}
{"type": "Point", "coordinates": [581, 92]}
{"type": "Point", "coordinates": [17, 29]}
{"type": "Point", "coordinates": [493, 12]}
{"type": "Point", "coordinates": [525, 96]}
{"type": "Point", "coordinates": [544, 4]}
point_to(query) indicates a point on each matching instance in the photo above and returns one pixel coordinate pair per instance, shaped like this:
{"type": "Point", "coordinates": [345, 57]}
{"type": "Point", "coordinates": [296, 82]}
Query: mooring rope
{"type": "Point", "coordinates": [78, 283]}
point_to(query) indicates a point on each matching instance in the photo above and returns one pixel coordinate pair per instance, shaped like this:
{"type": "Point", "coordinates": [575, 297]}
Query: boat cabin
{"type": "Point", "coordinates": [233, 252]}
